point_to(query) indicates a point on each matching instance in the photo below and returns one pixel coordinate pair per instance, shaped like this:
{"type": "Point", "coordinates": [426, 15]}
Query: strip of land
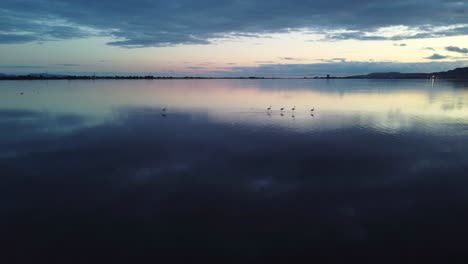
{"type": "Point", "coordinates": [456, 74]}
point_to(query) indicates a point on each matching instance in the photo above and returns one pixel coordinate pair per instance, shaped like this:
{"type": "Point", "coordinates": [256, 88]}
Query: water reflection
{"type": "Point", "coordinates": [217, 175]}
{"type": "Point", "coordinates": [247, 101]}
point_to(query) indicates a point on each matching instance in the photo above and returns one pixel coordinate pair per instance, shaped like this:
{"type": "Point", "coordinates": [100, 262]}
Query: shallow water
{"type": "Point", "coordinates": [95, 169]}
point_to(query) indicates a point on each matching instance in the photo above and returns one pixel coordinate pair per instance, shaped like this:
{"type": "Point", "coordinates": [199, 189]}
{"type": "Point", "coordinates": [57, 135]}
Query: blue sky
{"type": "Point", "coordinates": [230, 38]}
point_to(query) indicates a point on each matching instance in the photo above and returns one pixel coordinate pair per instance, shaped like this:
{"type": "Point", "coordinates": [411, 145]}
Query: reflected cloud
{"type": "Point", "coordinates": [231, 179]}
{"type": "Point", "coordinates": [245, 102]}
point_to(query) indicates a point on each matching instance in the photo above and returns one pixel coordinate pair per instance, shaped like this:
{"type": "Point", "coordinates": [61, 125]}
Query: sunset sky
{"type": "Point", "coordinates": [232, 38]}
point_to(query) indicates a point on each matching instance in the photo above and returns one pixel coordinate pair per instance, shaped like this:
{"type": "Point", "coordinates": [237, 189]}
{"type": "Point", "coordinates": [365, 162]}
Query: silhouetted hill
{"type": "Point", "coordinates": [459, 73]}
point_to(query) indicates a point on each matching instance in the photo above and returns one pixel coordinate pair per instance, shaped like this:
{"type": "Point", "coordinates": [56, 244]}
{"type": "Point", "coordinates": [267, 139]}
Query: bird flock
{"type": "Point", "coordinates": [292, 109]}
{"type": "Point", "coordinates": [269, 109]}
{"type": "Point", "coordinates": [164, 109]}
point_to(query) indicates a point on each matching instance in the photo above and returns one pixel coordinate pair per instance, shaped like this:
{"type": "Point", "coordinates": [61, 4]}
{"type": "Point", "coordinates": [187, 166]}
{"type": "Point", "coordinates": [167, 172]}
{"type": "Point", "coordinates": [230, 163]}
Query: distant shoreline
{"type": "Point", "coordinates": [155, 78]}
{"type": "Point", "coordinates": [20, 78]}
{"type": "Point", "coordinates": [456, 74]}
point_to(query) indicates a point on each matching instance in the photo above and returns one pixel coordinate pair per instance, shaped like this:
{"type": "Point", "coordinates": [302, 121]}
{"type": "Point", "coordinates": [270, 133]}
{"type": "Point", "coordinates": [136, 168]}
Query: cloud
{"type": "Point", "coordinates": [16, 38]}
{"type": "Point", "coordinates": [397, 33]}
{"type": "Point", "coordinates": [291, 59]}
{"type": "Point", "coordinates": [18, 27]}
{"type": "Point", "coordinates": [400, 45]}
{"type": "Point", "coordinates": [436, 56]}
{"type": "Point", "coordinates": [457, 49]}
{"type": "Point", "coordinates": [334, 60]}
{"type": "Point", "coordinates": [142, 23]}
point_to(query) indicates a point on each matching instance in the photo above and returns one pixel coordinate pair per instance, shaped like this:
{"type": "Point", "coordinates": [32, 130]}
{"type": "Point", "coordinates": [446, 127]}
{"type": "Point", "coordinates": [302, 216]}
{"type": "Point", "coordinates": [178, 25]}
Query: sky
{"type": "Point", "coordinates": [269, 38]}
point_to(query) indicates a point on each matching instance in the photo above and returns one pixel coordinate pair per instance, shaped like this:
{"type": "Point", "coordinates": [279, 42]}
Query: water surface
{"type": "Point", "coordinates": [94, 171]}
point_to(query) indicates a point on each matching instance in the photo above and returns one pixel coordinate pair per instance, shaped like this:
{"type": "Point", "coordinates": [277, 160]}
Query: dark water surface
{"type": "Point", "coordinates": [96, 172]}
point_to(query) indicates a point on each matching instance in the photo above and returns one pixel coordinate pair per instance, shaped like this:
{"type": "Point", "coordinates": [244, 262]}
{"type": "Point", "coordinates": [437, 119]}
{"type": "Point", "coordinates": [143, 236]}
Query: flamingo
{"type": "Point", "coordinates": [269, 108]}
{"type": "Point", "coordinates": [313, 109]}
{"type": "Point", "coordinates": [164, 109]}
{"type": "Point", "coordinates": [294, 108]}
{"type": "Point", "coordinates": [282, 108]}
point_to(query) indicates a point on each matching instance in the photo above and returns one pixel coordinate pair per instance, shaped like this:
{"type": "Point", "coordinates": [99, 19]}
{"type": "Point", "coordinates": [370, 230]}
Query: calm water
{"type": "Point", "coordinates": [95, 172]}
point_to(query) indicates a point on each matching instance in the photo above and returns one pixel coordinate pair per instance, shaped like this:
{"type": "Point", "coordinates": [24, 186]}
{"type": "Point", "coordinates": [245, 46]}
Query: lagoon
{"type": "Point", "coordinates": [95, 170]}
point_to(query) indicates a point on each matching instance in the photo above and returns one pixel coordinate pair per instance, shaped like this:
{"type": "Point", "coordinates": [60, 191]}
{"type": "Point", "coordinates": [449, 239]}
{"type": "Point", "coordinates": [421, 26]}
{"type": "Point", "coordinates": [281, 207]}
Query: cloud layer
{"type": "Point", "coordinates": [436, 56]}
{"type": "Point", "coordinates": [457, 49]}
{"type": "Point", "coordinates": [143, 23]}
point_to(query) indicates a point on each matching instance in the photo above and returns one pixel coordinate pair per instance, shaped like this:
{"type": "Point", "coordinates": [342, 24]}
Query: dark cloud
{"type": "Point", "coordinates": [16, 38]}
{"type": "Point", "coordinates": [19, 25]}
{"type": "Point", "coordinates": [436, 56]}
{"type": "Point", "coordinates": [457, 49]}
{"type": "Point", "coordinates": [143, 23]}
{"type": "Point", "coordinates": [291, 59]}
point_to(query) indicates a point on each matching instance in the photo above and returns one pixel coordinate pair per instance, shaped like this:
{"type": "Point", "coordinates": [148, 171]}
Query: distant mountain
{"type": "Point", "coordinates": [459, 73]}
